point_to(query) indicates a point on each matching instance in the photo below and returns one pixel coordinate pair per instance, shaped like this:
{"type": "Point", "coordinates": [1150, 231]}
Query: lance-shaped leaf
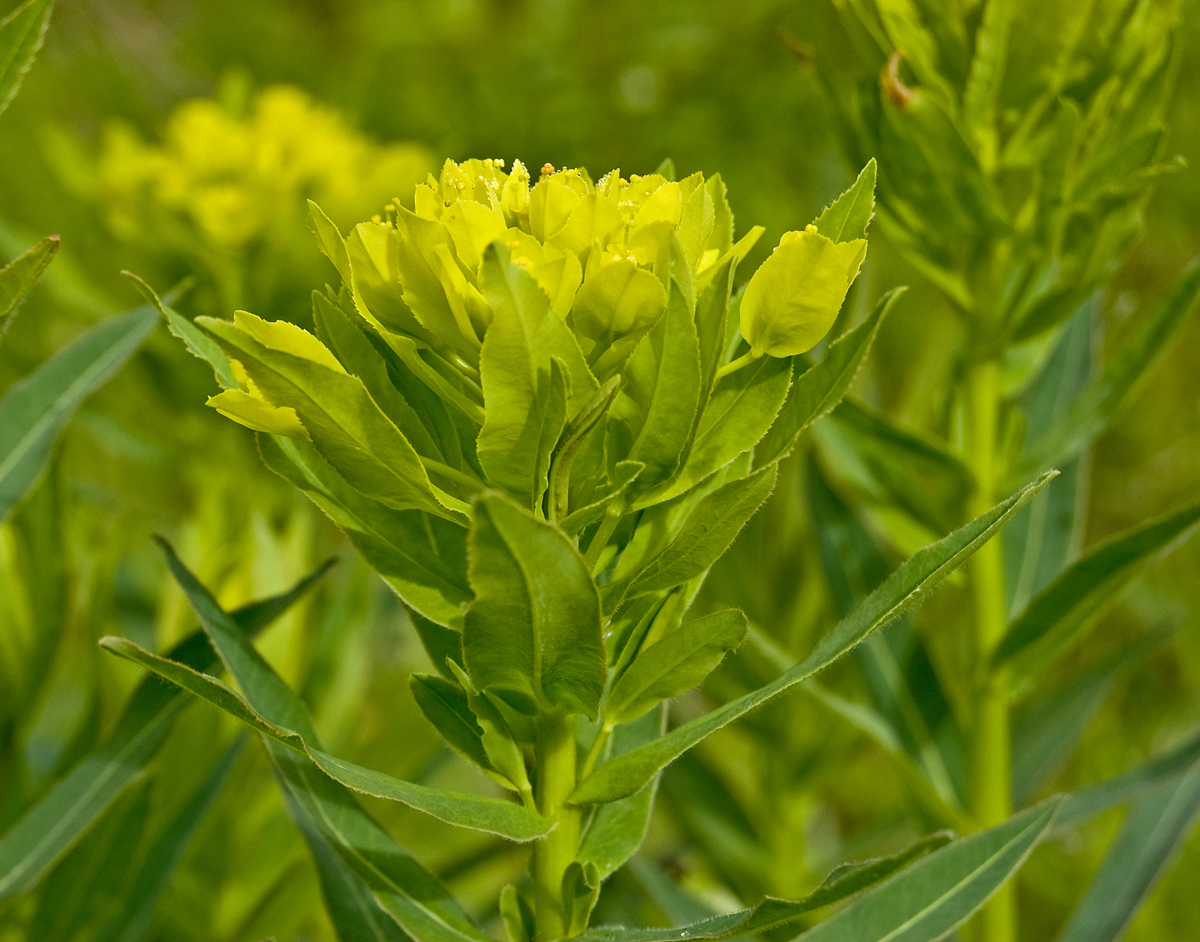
{"type": "Point", "coordinates": [277, 712]}
{"type": "Point", "coordinates": [712, 313]}
{"type": "Point", "coordinates": [1104, 396]}
{"type": "Point", "coordinates": [69, 809]}
{"type": "Point", "coordinates": [917, 575]}
{"type": "Point", "coordinates": [674, 665]}
{"type": "Point", "coordinates": [492, 815]}
{"type": "Point", "coordinates": [847, 217]}
{"type": "Point", "coordinates": [21, 35]}
{"type": "Point", "coordinates": [651, 420]}
{"type": "Point", "coordinates": [821, 387]}
{"type": "Point", "coordinates": [294, 371]}
{"type": "Point", "coordinates": [19, 276]}
{"type": "Point", "coordinates": [1067, 606]}
{"type": "Point", "coordinates": [401, 887]}
{"type": "Point", "coordinates": [36, 407]}
{"type": "Point", "coordinates": [446, 707]}
{"type": "Point", "coordinates": [157, 866]}
{"type": "Point", "coordinates": [522, 396]}
{"type": "Point", "coordinates": [743, 406]}
{"type": "Point", "coordinates": [1150, 836]}
{"type": "Point", "coordinates": [422, 557]}
{"type": "Point", "coordinates": [917, 902]}
{"type": "Point", "coordinates": [617, 829]}
{"type": "Point", "coordinates": [532, 635]}
{"type": "Point", "coordinates": [706, 534]}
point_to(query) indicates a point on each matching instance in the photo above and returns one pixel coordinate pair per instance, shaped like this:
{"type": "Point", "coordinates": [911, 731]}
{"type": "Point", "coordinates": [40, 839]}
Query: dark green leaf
{"type": "Point", "coordinates": [445, 706]}
{"type": "Point", "coordinates": [35, 408]}
{"type": "Point", "coordinates": [916, 576]}
{"type": "Point", "coordinates": [532, 634]}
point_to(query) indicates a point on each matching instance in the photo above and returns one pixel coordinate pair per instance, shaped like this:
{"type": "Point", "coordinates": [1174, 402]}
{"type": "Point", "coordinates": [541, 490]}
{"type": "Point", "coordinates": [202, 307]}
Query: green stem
{"type": "Point", "coordinates": [554, 852]}
{"type": "Point", "coordinates": [991, 761]}
{"type": "Point", "coordinates": [734, 365]}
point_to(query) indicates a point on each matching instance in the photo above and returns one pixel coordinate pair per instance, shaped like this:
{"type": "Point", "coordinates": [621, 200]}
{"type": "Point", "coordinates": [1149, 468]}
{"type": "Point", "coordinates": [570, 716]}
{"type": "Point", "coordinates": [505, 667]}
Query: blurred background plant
{"type": "Point", "coordinates": [103, 147]}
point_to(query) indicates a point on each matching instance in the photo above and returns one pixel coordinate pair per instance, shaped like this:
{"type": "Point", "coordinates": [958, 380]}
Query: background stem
{"type": "Point", "coordinates": [991, 768]}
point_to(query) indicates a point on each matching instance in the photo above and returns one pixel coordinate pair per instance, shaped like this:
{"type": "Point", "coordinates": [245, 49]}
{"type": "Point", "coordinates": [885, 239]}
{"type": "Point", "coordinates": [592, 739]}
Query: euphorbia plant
{"type": "Point", "coordinates": [542, 413]}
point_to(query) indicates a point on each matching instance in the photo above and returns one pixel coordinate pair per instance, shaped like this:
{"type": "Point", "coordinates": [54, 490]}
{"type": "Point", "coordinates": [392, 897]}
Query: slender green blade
{"type": "Point", "coordinates": [1063, 610]}
{"type": "Point", "coordinates": [1104, 397]}
{"type": "Point", "coordinates": [847, 217]}
{"type": "Point", "coordinates": [21, 35]}
{"type": "Point", "coordinates": [821, 387]}
{"type": "Point", "coordinates": [19, 276]}
{"type": "Point", "coordinates": [919, 574]}
{"type": "Point", "coordinates": [73, 805]}
{"type": "Point", "coordinates": [35, 408]}
{"type": "Point", "coordinates": [1151, 834]}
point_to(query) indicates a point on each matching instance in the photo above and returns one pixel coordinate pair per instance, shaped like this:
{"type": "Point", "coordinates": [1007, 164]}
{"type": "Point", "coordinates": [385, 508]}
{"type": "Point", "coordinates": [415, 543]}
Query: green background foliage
{"type": "Point", "coordinates": [717, 87]}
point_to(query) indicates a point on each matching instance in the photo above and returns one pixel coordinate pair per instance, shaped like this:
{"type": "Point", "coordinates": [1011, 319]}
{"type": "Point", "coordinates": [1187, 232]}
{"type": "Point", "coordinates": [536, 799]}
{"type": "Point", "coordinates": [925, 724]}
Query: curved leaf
{"type": "Point", "coordinates": [21, 35]}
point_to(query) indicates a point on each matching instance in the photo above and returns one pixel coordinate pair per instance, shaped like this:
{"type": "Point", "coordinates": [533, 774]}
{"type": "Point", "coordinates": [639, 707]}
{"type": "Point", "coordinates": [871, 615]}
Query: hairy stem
{"type": "Point", "coordinates": [554, 852]}
{"type": "Point", "coordinates": [991, 763]}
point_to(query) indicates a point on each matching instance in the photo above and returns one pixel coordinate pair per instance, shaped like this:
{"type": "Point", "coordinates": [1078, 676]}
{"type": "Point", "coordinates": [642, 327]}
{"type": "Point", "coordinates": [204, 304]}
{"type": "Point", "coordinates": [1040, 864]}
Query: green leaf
{"type": "Point", "coordinates": [1057, 616]}
{"type": "Point", "coordinates": [21, 35]}
{"type": "Point", "coordinates": [917, 902]}
{"type": "Point", "coordinates": [617, 829]}
{"type": "Point", "coordinates": [278, 713]}
{"type": "Point", "coordinates": [21, 274]}
{"type": "Point", "coordinates": [532, 634]}
{"type": "Point", "coordinates": [201, 346]}
{"type": "Point", "coordinates": [712, 313]}
{"type": "Point", "coordinates": [69, 809]}
{"type": "Point", "coordinates": [445, 706]}
{"type": "Point", "coordinates": [295, 371]}
{"type": "Point", "coordinates": [420, 556]}
{"type": "Point", "coordinates": [707, 533]}
{"type": "Point", "coordinates": [1095, 799]}
{"type": "Point", "coordinates": [1152, 833]}
{"type": "Point", "coordinates": [651, 420]}
{"type": "Point", "coordinates": [847, 217]}
{"type": "Point", "coordinates": [674, 665]}
{"type": "Point", "coordinates": [35, 408]}
{"type": "Point", "coordinates": [742, 408]}
{"type": "Point", "coordinates": [821, 387]}
{"type": "Point", "coordinates": [615, 306]}
{"type": "Point", "coordinates": [1104, 397]}
{"type": "Point", "coordinates": [162, 857]}
{"type": "Point", "coordinates": [916, 576]}
{"type": "Point", "coordinates": [793, 299]}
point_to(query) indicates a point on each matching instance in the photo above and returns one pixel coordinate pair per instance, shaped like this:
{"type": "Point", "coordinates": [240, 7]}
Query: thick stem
{"type": "Point", "coordinates": [991, 763]}
{"type": "Point", "coordinates": [554, 852]}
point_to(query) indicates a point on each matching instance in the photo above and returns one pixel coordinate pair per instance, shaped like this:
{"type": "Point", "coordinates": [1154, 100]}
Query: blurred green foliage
{"type": "Point", "coordinates": [103, 148]}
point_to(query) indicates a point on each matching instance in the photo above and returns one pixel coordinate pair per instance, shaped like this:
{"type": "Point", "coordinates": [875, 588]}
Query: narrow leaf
{"type": "Point", "coordinates": [21, 35]}
{"type": "Point", "coordinates": [847, 217]}
{"type": "Point", "coordinates": [1058, 614]}
{"type": "Point", "coordinates": [35, 408]}
{"type": "Point", "coordinates": [19, 276]}
{"type": "Point", "coordinates": [916, 576]}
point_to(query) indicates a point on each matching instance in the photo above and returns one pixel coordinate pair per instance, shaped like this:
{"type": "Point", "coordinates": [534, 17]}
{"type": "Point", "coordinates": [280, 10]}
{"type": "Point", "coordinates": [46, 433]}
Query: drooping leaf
{"type": "Point", "coordinates": [446, 707]}
{"type": "Point", "coordinates": [69, 809]}
{"type": "Point", "coordinates": [532, 634]}
{"type": "Point", "coordinates": [1154, 828]}
{"type": "Point", "coordinates": [821, 387]}
{"type": "Point", "coordinates": [626, 774]}
{"type": "Point", "coordinates": [21, 274]}
{"type": "Point", "coordinates": [35, 408]}
{"type": "Point", "coordinates": [847, 217]}
{"type": "Point", "coordinates": [21, 35]}
{"type": "Point", "coordinates": [674, 665]}
{"type": "Point", "coordinates": [278, 713]}
{"type": "Point", "coordinates": [921, 902]}
{"type": "Point", "coordinates": [1058, 614]}
{"type": "Point", "coordinates": [1104, 397]}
